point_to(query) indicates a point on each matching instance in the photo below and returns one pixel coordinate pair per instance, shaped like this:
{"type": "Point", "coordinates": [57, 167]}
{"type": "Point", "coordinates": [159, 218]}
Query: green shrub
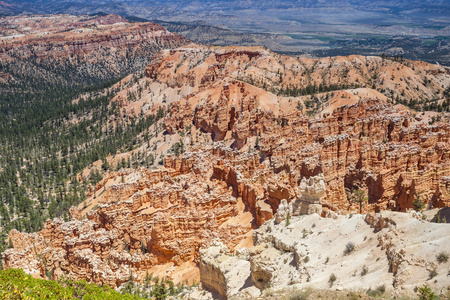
{"type": "Point", "coordinates": [349, 248]}
{"type": "Point", "coordinates": [364, 271]}
{"type": "Point", "coordinates": [433, 273]}
{"type": "Point", "coordinates": [332, 279]}
{"type": "Point", "coordinates": [425, 293]}
{"type": "Point", "coordinates": [418, 204]}
{"type": "Point", "coordinates": [305, 233]}
{"type": "Point", "coordinates": [442, 257]}
{"type": "Point", "coordinates": [15, 284]}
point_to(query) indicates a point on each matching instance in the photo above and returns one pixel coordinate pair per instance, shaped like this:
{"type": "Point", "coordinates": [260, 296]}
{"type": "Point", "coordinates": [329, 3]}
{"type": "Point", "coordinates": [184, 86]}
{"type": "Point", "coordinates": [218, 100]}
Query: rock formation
{"type": "Point", "coordinates": [400, 255]}
{"type": "Point", "coordinates": [284, 211]}
{"type": "Point", "coordinates": [252, 154]}
{"type": "Point", "coordinates": [356, 143]}
{"type": "Point", "coordinates": [60, 36]}
{"type": "Point", "coordinates": [221, 272]}
{"type": "Point", "coordinates": [154, 218]}
{"type": "Point", "coordinates": [313, 191]}
{"type": "Point", "coordinates": [66, 50]}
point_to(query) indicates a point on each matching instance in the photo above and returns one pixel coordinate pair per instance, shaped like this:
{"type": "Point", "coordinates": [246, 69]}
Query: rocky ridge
{"type": "Point", "coordinates": [64, 35]}
{"type": "Point", "coordinates": [201, 67]}
{"type": "Point", "coordinates": [67, 49]}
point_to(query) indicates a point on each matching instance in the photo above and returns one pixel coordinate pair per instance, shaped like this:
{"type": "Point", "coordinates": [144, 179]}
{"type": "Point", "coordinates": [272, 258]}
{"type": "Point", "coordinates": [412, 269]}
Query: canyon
{"type": "Point", "coordinates": [249, 139]}
{"type": "Point", "coordinates": [55, 68]}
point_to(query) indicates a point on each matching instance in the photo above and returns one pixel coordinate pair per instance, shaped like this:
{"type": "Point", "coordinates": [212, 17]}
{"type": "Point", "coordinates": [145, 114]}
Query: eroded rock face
{"type": "Point", "coordinates": [71, 50]}
{"type": "Point", "coordinates": [221, 273]}
{"type": "Point", "coordinates": [400, 254]}
{"type": "Point", "coordinates": [357, 142]}
{"type": "Point", "coordinates": [284, 211]}
{"type": "Point", "coordinates": [313, 191]}
{"type": "Point", "coordinates": [63, 35]}
{"type": "Point", "coordinates": [153, 218]}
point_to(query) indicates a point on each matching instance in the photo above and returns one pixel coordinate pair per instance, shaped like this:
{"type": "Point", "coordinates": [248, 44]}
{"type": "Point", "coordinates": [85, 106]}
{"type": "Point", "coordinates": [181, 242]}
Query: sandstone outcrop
{"type": "Point", "coordinates": [151, 219]}
{"type": "Point", "coordinates": [284, 211]}
{"type": "Point", "coordinates": [221, 272]}
{"type": "Point", "coordinates": [313, 191]}
{"type": "Point", "coordinates": [356, 143]}
{"type": "Point", "coordinates": [401, 254]}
